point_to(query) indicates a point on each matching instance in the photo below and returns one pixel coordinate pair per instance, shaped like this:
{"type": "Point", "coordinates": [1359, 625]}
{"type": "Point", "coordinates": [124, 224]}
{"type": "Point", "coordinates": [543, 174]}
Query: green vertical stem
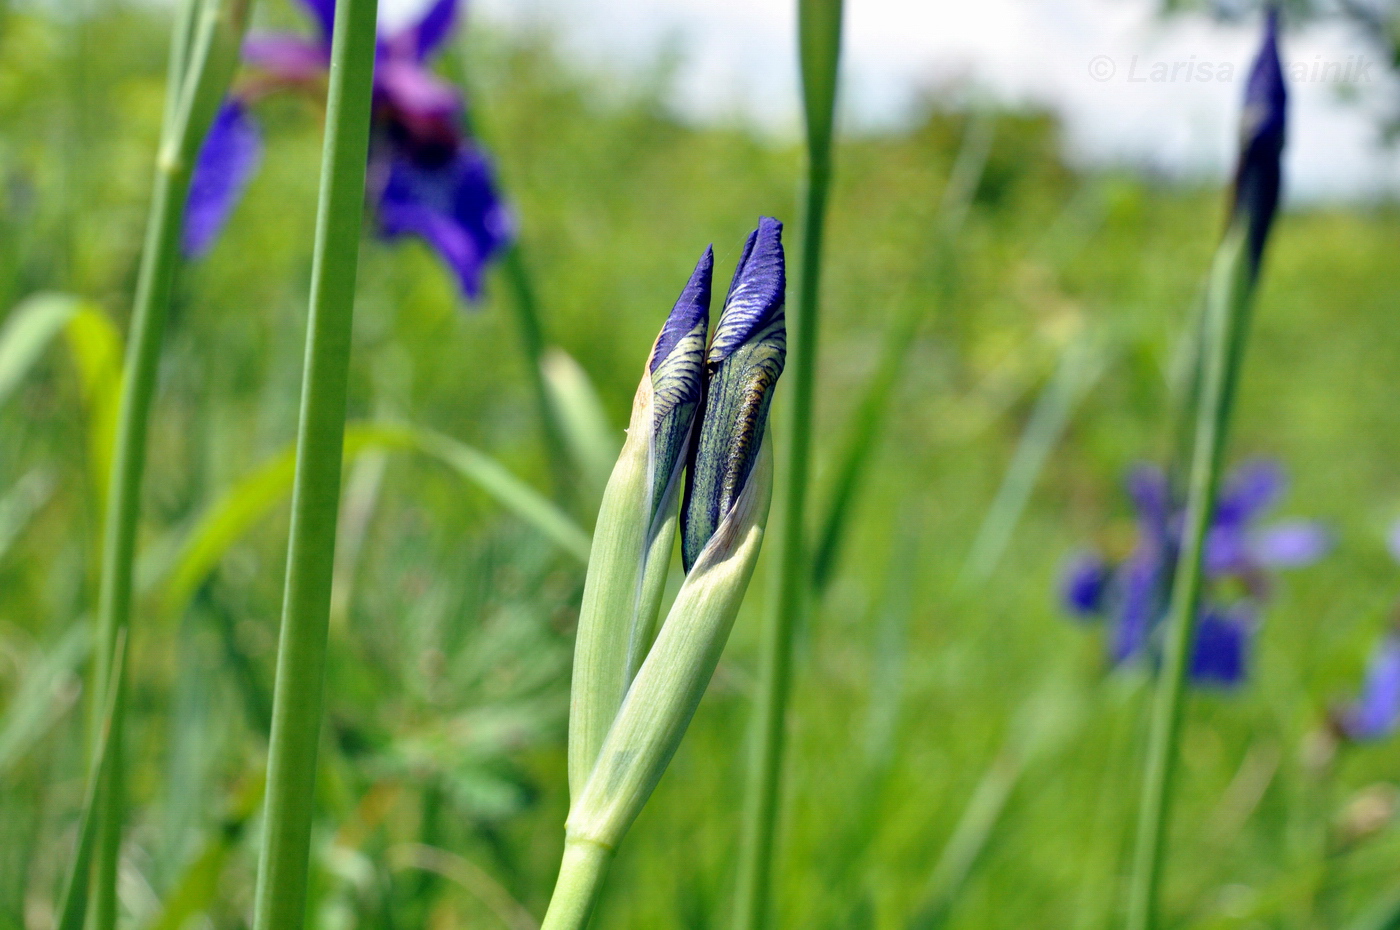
{"type": "Point", "coordinates": [531, 333]}
{"type": "Point", "coordinates": [200, 70]}
{"type": "Point", "coordinates": [1221, 346]}
{"type": "Point", "coordinates": [819, 28]}
{"type": "Point", "coordinates": [297, 698]}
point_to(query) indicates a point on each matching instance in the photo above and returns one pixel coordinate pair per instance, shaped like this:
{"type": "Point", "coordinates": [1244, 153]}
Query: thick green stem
{"type": "Point", "coordinates": [580, 882]}
{"type": "Point", "coordinates": [1222, 343]}
{"type": "Point", "coordinates": [297, 699]}
{"type": "Point", "coordinates": [819, 25]}
{"type": "Point", "coordinates": [531, 333]}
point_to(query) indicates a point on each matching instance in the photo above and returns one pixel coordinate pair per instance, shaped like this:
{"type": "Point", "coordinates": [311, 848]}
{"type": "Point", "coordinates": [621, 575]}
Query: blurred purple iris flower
{"type": "Point", "coordinates": [426, 176]}
{"type": "Point", "coordinates": [1375, 713]}
{"type": "Point", "coordinates": [1238, 557]}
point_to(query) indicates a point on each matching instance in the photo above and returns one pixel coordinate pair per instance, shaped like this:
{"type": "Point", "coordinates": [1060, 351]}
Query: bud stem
{"type": "Point", "coordinates": [579, 884]}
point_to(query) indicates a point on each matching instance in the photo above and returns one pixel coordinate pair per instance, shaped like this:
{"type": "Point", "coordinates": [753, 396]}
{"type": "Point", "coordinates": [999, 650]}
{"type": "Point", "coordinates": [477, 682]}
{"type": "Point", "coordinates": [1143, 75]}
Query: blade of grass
{"type": "Point", "coordinates": [593, 442]}
{"type": "Point", "coordinates": [819, 41]}
{"type": "Point", "coordinates": [41, 700]}
{"type": "Point", "coordinates": [28, 330]}
{"type": "Point", "coordinates": [531, 334]}
{"type": "Point", "coordinates": [1081, 363]}
{"type": "Point", "coordinates": [211, 59]}
{"type": "Point", "coordinates": [20, 503]}
{"type": "Point", "coordinates": [281, 899]}
{"type": "Point", "coordinates": [866, 424]}
{"type": "Point", "coordinates": [1043, 724]}
{"type": "Point", "coordinates": [254, 496]}
{"type": "Point", "coordinates": [73, 905]}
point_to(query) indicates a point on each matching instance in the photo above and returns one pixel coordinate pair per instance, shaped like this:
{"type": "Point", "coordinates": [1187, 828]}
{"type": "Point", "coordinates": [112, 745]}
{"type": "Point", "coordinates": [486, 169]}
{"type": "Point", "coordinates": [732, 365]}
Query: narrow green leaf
{"type": "Point", "coordinates": [20, 504]}
{"type": "Point", "coordinates": [867, 422]}
{"type": "Point", "coordinates": [253, 497]}
{"type": "Point", "coordinates": [592, 440]}
{"type": "Point", "coordinates": [509, 491]}
{"type": "Point", "coordinates": [42, 699]}
{"type": "Point", "coordinates": [1081, 363]}
{"type": "Point", "coordinates": [73, 908]}
{"type": "Point", "coordinates": [28, 330]}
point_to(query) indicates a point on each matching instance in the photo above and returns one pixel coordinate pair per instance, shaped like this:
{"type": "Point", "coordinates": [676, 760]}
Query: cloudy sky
{"type": "Point", "coordinates": [1129, 87]}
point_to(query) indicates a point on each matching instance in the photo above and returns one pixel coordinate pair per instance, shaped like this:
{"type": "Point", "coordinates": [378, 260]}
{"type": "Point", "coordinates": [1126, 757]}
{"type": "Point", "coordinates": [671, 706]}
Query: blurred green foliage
{"type": "Point", "coordinates": [443, 793]}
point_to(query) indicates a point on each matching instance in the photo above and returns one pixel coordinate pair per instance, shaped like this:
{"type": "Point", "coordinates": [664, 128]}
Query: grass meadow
{"type": "Point", "coordinates": [961, 753]}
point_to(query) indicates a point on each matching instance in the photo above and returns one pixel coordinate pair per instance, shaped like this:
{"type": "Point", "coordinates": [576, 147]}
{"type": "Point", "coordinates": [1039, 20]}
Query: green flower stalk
{"type": "Point", "coordinates": [819, 46]}
{"type": "Point", "coordinates": [1228, 305]}
{"type": "Point", "coordinates": [281, 900]}
{"type": "Point", "coordinates": [636, 531]}
{"type": "Point", "coordinates": [203, 57]}
{"type": "Point", "coordinates": [729, 484]}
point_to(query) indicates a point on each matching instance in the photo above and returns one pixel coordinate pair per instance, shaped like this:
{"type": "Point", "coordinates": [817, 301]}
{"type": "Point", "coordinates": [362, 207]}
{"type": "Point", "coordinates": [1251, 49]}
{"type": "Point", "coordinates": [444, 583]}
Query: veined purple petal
{"type": "Point", "coordinates": [286, 57]}
{"type": "Point", "coordinates": [323, 12]}
{"type": "Point", "coordinates": [1290, 544]}
{"type": "Point", "coordinates": [1376, 712]}
{"type": "Point", "coordinates": [454, 207]}
{"type": "Point", "coordinates": [1219, 656]}
{"type": "Point", "coordinates": [1150, 493]}
{"type": "Point", "coordinates": [691, 307]}
{"type": "Point", "coordinates": [757, 291]}
{"type": "Point", "coordinates": [1263, 128]}
{"type": "Point", "coordinates": [1084, 584]}
{"type": "Point", "coordinates": [226, 162]}
{"type": "Point", "coordinates": [1249, 490]}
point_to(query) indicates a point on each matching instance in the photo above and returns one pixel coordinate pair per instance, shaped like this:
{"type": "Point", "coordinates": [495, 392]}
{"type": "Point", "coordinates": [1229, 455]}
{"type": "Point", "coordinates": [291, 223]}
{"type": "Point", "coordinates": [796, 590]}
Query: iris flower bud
{"type": "Point", "coordinates": [636, 526]}
{"type": "Point", "coordinates": [743, 365]}
{"type": "Point", "coordinates": [1263, 128]}
{"type": "Point", "coordinates": [624, 729]}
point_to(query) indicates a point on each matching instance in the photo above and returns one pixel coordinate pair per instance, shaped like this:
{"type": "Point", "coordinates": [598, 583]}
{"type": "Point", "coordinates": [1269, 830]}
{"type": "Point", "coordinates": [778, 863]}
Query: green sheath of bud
{"type": "Point", "coordinates": [636, 527]}
{"type": "Point", "coordinates": [668, 688]}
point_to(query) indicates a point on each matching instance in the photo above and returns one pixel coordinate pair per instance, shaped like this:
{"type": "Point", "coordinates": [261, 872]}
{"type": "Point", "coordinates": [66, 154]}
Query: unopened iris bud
{"type": "Point", "coordinates": [1263, 127]}
{"type": "Point", "coordinates": [616, 763]}
{"type": "Point", "coordinates": [636, 526]}
{"type": "Point", "coordinates": [742, 367]}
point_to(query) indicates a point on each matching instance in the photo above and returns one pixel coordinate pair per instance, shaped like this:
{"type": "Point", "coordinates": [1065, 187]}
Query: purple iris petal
{"type": "Point", "coordinates": [1376, 711]}
{"type": "Point", "coordinates": [1084, 584]}
{"type": "Point", "coordinates": [756, 293]}
{"type": "Point", "coordinates": [1249, 490]}
{"type": "Point", "coordinates": [414, 91]}
{"type": "Point", "coordinates": [1392, 541]}
{"type": "Point", "coordinates": [691, 308]}
{"type": "Point", "coordinates": [323, 12]}
{"type": "Point", "coordinates": [454, 207]}
{"type": "Point", "coordinates": [1227, 550]}
{"type": "Point", "coordinates": [1150, 493]}
{"type": "Point", "coordinates": [1290, 544]}
{"type": "Point", "coordinates": [1221, 647]}
{"type": "Point", "coordinates": [226, 162]}
{"type": "Point", "coordinates": [1139, 603]}
{"type": "Point", "coordinates": [287, 58]}
{"type": "Point", "coordinates": [434, 28]}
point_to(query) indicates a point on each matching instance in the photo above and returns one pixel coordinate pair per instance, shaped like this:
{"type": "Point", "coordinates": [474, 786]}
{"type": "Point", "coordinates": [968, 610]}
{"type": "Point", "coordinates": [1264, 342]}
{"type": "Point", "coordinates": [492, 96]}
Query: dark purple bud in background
{"type": "Point", "coordinates": [1259, 175]}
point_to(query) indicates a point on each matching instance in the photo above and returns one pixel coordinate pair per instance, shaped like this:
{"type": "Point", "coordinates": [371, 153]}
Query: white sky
{"type": "Point", "coordinates": [738, 57]}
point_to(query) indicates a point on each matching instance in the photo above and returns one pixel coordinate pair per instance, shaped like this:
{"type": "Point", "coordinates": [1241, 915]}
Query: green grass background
{"type": "Point", "coordinates": [448, 670]}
